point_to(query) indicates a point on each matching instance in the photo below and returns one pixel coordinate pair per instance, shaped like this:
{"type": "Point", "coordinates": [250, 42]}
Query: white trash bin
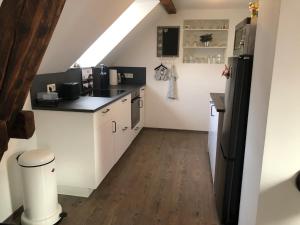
{"type": "Point", "coordinates": [40, 197]}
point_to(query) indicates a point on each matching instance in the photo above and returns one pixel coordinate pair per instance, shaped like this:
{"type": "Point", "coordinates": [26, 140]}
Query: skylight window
{"type": "Point", "coordinates": [134, 14]}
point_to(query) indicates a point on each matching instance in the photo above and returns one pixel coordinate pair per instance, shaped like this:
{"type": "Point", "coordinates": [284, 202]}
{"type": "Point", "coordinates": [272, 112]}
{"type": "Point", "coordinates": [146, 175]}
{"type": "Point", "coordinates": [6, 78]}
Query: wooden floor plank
{"type": "Point", "coordinates": [162, 179]}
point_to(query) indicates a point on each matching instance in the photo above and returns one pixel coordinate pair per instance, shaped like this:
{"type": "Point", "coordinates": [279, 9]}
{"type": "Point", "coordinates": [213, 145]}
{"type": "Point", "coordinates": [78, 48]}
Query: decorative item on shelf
{"type": "Point", "coordinates": [206, 39]}
{"type": "Point", "coordinates": [226, 72]}
{"type": "Point", "coordinates": [254, 8]}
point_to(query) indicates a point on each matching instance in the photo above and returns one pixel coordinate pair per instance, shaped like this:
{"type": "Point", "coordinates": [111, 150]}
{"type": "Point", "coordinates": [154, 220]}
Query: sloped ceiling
{"type": "Point", "coordinates": [81, 23]}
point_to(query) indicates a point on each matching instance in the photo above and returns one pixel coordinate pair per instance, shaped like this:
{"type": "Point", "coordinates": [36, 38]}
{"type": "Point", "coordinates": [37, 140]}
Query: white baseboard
{"type": "Point", "coordinates": [74, 191]}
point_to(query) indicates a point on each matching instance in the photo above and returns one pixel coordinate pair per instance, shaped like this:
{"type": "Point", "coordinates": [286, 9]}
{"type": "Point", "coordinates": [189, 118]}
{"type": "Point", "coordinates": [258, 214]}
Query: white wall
{"type": "Point", "coordinates": [258, 109]}
{"type": "Point", "coordinates": [10, 186]}
{"type": "Point", "coordinates": [279, 200]}
{"type": "Point", "coordinates": [80, 24]}
{"type": "Point", "coordinates": [195, 82]}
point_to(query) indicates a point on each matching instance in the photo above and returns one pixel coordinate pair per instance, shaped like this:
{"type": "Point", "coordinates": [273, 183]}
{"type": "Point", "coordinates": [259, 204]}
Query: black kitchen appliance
{"type": "Point", "coordinates": [230, 155]}
{"type": "Point", "coordinates": [244, 40]}
{"type": "Point", "coordinates": [101, 77]}
{"type": "Point", "coordinates": [135, 108]}
{"type": "Point", "coordinates": [70, 91]}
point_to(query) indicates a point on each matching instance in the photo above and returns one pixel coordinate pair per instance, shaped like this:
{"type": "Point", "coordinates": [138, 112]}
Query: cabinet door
{"type": "Point", "coordinates": [126, 123]}
{"type": "Point", "coordinates": [104, 143]}
{"type": "Point", "coordinates": [123, 120]}
{"type": "Point", "coordinates": [213, 137]}
{"type": "Point", "coordinates": [142, 107]}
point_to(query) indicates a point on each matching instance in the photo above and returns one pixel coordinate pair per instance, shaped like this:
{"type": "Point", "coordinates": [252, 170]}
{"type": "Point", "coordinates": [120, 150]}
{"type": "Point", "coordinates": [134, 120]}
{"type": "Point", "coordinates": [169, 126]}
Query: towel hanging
{"type": "Point", "coordinates": [172, 92]}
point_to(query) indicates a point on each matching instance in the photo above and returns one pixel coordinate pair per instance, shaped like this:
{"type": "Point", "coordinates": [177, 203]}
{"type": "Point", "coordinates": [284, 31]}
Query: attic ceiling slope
{"type": "Point", "coordinates": [210, 4]}
{"type": "Point", "coordinates": [81, 23]}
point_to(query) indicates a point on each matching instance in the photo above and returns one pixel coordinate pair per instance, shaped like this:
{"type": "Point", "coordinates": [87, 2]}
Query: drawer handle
{"type": "Point", "coordinates": [114, 127]}
{"type": "Point", "coordinates": [125, 128]}
{"type": "Point", "coordinates": [124, 100]}
{"type": "Point", "coordinates": [106, 111]}
{"type": "Point", "coordinates": [141, 104]}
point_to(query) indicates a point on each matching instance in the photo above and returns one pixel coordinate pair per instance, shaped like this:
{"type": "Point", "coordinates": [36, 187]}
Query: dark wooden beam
{"type": "Point", "coordinates": [3, 137]}
{"type": "Point", "coordinates": [27, 29]}
{"type": "Point", "coordinates": [169, 6]}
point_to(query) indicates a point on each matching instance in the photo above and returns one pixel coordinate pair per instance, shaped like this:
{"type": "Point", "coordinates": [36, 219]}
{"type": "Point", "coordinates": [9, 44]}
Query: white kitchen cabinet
{"type": "Point", "coordinates": [104, 142]}
{"type": "Point", "coordinates": [215, 128]}
{"type": "Point", "coordinates": [142, 106]}
{"type": "Point", "coordinates": [213, 137]}
{"type": "Point", "coordinates": [86, 145]}
{"type": "Point", "coordinates": [136, 130]}
{"type": "Point", "coordinates": [122, 121]}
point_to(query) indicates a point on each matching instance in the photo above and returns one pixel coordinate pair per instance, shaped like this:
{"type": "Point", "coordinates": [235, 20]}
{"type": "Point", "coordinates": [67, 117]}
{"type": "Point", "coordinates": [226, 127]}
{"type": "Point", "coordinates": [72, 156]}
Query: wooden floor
{"type": "Point", "coordinates": [162, 179]}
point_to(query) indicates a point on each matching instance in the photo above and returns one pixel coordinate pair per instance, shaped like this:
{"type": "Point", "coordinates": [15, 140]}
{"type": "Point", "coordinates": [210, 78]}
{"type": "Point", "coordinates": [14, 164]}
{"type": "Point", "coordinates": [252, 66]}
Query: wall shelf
{"type": "Point", "coordinates": [194, 51]}
{"type": "Point", "coordinates": [206, 29]}
{"type": "Point", "coordinates": [203, 47]}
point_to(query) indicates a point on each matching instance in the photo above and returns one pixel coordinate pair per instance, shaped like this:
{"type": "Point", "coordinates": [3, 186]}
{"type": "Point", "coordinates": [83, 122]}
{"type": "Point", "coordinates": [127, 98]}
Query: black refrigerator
{"type": "Point", "coordinates": [230, 154]}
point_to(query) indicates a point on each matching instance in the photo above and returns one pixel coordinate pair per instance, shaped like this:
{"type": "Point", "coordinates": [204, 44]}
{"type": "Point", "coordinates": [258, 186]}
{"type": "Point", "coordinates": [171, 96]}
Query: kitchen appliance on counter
{"type": "Point", "coordinates": [101, 77]}
{"type": "Point", "coordinates": [230, 154]}
{"type": "Point", "coordinates": [70, 91]}
{"type": "Point", "coordinates": [135, 108]}
{"type": "Point", "coordinates": [244, 41]}
{"type": "Point", "coordinates": [47, 99]}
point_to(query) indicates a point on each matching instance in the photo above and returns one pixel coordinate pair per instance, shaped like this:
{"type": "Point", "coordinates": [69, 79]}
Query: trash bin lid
{"type": "Point", "coordinates": [35, 158]}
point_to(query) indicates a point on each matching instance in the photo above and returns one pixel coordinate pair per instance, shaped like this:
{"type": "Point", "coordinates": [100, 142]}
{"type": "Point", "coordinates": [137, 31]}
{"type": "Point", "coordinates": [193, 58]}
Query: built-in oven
{"type": "Point", "coordinates": [135, 108]}
{"type": "Point", "coordinates": [244, 41]}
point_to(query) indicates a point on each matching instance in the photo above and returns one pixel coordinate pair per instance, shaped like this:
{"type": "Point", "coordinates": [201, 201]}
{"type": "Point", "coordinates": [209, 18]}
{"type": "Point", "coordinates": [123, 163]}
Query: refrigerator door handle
{"type": "Point", "coordinates": [224, 156]}
{"type": "Point", "coordinates": [211, 107]}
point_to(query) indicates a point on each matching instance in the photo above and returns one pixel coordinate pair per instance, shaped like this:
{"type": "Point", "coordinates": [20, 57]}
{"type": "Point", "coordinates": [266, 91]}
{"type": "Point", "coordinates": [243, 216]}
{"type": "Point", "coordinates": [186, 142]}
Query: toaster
{"type": "Point", "coordinates": [70, 91]}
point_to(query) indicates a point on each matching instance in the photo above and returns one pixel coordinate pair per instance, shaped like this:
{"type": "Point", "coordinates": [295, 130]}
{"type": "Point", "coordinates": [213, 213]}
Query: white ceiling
{"type": "Point", "coordinates": [212, 4]}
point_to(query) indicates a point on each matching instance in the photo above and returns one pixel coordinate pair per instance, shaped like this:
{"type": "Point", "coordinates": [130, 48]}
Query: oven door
{"type": "Point", "coordinates": [135, 111]}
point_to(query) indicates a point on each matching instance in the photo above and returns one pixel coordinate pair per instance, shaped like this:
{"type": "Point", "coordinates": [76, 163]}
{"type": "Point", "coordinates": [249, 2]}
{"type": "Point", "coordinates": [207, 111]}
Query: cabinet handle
{"type": "Point", "coordinates": [211, 114]}
{"type": "Point", "coordinates": [141, 104]}
{"type": "Point", "coordinates": [124, 100]}
{"type": "Point", "coordinates": [114, 127]}
{"type": "Point", "coordinates": [136, 128]}
{"type": "Point", "coordinates": [125, 128]}
{"type": "Point", "coordinates": [143, 89]}
{"type": "Point", "coordinates": [106, 111]}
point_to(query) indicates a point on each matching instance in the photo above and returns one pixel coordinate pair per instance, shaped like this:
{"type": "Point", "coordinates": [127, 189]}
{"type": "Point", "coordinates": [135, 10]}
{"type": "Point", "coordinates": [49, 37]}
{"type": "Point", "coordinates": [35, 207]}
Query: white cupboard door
{"type": "Point", "coordinates": [105, 148]}
{"type": "Point", "coordinates": [123, 119]}
{"type": "Point", "coordinates": [213, 137]}
{"type": "Point", "coordinates": [117, 132]}
{"type": "Point", "coordinates": [126, 122]}
{"type": "Point", "coordinates": [142, 106]}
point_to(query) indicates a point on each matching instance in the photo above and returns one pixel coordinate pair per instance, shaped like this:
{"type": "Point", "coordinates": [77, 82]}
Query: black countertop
{"type": "Point", "coordinates": [89, 104]}
{"type": "Point", "coordinates": [218, 99]}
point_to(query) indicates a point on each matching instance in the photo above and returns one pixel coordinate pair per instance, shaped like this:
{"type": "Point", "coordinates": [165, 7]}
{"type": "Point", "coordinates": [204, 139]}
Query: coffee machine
{"type": "Point", "coordinates": [101, 77]}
